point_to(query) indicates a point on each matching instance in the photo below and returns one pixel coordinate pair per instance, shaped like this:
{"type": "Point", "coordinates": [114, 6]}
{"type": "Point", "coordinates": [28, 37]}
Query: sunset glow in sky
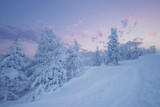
{"type": "Point", "coordinates": [87, 21]}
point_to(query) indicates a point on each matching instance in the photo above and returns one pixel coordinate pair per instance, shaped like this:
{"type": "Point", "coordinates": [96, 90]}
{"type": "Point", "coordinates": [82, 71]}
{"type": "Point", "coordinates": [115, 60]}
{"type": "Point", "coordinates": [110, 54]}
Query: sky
{"type": "Point", "coordinates": [87, 21]}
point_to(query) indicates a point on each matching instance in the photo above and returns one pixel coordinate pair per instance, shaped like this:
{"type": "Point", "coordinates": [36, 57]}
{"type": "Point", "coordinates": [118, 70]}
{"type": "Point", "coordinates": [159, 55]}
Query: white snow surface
{"type": "Point", "coordinates": [134, 83]}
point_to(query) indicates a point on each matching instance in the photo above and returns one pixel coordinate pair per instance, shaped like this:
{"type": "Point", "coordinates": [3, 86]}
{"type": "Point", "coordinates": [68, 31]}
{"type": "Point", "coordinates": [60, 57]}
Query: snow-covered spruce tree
{"type": "Point", "coordinates": [113, 48]}
{"type": "Point", "coordinates": [135, 53]}
{"type": "Point", "coordinates": [152, 49]}
{"type": "Point", "coordinates": [143, 51]}
{"type": "Point", "coordinates": [97, 60]}
{"type": "Point", "coordinates": [123, 52]}
{"type": "Point", "coordinates": [72, 62]}
{"type": "Point", "coordinates": [13, 81]}
{"type": "Point", "coordinates": [48, 72]}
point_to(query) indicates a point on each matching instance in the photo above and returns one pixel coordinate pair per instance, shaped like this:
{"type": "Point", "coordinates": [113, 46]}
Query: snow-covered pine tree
{"type": "Point", "coordinates": [13, 81]}
{"type": "Point", "coordinates": [48, 72]}
{"type": "Point", "coordinates": [97, 60]}
{"type": "Point", "coordinates": [113, 48]}
{"type": "Point", "coordinates": [72, 62]}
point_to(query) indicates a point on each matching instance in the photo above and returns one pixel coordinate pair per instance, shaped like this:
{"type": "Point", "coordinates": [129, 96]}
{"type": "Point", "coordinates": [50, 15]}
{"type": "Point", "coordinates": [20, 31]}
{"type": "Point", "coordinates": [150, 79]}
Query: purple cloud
{"type": "Point", "coordinates": [50, 27]}
{"type": "Point", "coordinates": [124, 22]}
{"type": "Point", "coordinates": [100, 35]}
{"type": "Point", "coordinates": [131, 44]}
{"type": "Point", "coordinates": [11, 32]}
{"type": "Point", "coordinates": [94, 39]}
{"type": "Point", "coordinates": [85, 31]}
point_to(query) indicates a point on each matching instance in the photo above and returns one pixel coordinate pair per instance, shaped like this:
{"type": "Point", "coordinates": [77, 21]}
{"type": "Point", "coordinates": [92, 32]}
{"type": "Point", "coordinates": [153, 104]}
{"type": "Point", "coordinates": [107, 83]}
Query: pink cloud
{"type": "Point", "coordinates": [85, 31]}
{"type": "Point", "coordinates": [153, 34]}
{"type": "Point", "coordinates": [129, 18]}
{"type": "Point", "coordinates": [69, 43]}
{"type": "Point", "coordinates": [74, 35]}
{"type": "Point", "coordinates": [50, 27]}
{"type": "Point", "coordinates": [94, 39]}
{"type": "Point", "coordinates": [83, 37]}
{"type": "Point", "coordinates": [80, 21]}
{"type": "Point", "coordinates": [80, 45]}
{"type": "Point", "coordinates": [141, 39]}
{"type": "Point", "coordinates": [63, 36]}
{"type": "Point", "coordinates": [69, 27]}
{"type": "Point", "coordinates": [138, 22]}
{"type": "Point", "coordinates": [74, 25]}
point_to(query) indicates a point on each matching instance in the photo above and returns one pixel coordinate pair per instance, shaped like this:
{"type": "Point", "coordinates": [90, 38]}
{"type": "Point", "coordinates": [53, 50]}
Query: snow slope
{"type": "Point", "coordinates": [134, 83]}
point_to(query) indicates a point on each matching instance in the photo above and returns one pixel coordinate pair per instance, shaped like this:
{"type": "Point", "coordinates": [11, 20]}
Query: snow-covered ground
{"type": "Point", "coordinates": [134, 83]}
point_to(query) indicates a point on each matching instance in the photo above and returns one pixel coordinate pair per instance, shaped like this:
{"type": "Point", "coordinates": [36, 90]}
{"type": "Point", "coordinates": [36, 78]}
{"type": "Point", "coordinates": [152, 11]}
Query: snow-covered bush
{"type": "Point", "coordinates": [97, 60]}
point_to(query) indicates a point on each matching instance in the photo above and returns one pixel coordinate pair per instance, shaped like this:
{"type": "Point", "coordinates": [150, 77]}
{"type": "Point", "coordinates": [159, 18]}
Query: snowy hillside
{"type": "Point", "coordinates": [134, 83]}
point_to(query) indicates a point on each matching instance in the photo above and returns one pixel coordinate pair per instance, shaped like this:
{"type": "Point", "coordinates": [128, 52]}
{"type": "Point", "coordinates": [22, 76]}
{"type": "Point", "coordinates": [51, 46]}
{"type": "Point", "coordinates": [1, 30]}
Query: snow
{"type": "Point", "coordinates": [10, 73]}
{"type": "Point", "coordinates": [134, 83]}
